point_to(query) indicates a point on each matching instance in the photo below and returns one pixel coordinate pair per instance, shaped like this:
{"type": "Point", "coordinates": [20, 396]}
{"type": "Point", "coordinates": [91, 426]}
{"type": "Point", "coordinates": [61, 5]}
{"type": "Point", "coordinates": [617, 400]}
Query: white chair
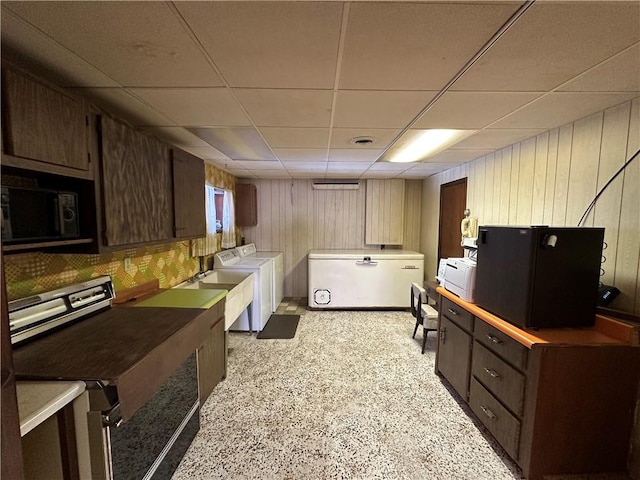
{"type": "Point", "coordinates": [425, 314]}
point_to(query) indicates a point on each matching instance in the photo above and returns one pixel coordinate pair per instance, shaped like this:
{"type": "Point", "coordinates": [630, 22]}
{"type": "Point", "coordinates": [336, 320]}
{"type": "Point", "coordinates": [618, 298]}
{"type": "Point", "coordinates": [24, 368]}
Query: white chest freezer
{"type": "Point", "coordinates": [363, 278]}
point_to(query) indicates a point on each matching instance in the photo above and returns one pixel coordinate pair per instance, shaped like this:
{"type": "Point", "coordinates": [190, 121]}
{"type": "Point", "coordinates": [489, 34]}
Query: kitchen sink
{"type": "Point", "coordinates": [239, 285]}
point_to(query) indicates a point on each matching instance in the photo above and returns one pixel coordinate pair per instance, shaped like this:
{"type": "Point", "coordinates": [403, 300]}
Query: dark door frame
{"type": "Point", "coordinates": [443, 187]}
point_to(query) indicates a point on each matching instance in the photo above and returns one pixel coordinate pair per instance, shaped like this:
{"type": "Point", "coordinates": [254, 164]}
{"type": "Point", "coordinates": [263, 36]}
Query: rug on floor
{"type": "Point", "coordinates": [280, 327]}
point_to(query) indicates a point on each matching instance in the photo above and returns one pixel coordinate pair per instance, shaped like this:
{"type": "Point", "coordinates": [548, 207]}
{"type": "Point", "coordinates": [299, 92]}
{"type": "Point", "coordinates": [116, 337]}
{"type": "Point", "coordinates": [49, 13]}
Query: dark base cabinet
{"type": "Point", "coordinates": [559, 401]}
{"type": "Point", "coordinates": [211, 361]}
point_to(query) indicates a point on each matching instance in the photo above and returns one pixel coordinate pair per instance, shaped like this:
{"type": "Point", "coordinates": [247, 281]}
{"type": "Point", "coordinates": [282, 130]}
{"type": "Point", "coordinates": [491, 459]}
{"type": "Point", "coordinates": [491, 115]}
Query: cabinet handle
{"type": "Point", "coordinates": [488, 412]}
{"type": "Point", "coordinates": [452, 311]}
{"type": "Point", "coordinates": [443, 334]}
{"type": "Point", "coordinates": [495, 340]}
{"type": "Point", "coordinates": [492, 373]}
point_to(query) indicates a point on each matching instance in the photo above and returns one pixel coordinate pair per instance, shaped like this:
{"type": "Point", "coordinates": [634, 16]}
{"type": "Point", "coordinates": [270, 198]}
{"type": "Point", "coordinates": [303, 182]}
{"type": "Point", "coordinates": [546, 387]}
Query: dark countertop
{"type": "Point", "coordinates": [135, 349]}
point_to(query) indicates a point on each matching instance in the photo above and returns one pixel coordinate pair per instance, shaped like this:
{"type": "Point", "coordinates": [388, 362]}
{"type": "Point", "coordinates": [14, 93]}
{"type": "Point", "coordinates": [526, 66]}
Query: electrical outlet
{"type": "Point", "coordinates": [127, 264]}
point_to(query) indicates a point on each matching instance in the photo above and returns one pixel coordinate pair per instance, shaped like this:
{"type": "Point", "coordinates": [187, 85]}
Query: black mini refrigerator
{"type": "Point", "coordinates": [539, 276]}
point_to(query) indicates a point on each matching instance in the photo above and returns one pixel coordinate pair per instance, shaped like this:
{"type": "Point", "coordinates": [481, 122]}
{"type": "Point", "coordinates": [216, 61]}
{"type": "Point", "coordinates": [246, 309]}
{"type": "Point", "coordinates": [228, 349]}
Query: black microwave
{"type": "Point", "coordinates": [38, 214]}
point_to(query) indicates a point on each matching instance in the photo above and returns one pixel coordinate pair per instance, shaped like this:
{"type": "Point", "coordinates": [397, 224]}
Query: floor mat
{"type": "Point", "coordinates": [280, 326]}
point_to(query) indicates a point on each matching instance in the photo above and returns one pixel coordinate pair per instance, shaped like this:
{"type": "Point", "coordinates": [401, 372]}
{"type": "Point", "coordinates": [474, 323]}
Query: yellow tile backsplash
{"type": "Point", "coordinates": [31, 273]}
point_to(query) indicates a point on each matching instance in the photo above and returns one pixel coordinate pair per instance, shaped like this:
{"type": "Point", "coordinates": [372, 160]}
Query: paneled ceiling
{"type": "Point", "coordinates": [279, 89]}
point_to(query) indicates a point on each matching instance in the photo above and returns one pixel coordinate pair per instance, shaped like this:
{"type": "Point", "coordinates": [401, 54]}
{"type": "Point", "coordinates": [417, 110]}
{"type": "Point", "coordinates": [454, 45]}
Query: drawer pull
{"type": "Point", "coordinates": [492, 373]}
{"type": "Point", "coordinates": [495, 340]}
{"type": "Point", "coordinates": [452, 311]}
{"type": "Point", "coordinates": [488, 412]}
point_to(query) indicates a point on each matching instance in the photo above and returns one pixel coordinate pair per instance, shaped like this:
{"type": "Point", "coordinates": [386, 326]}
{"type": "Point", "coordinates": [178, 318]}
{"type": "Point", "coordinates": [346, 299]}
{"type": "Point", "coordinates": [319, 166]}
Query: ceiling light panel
{"type": "Point", "coordinates": [239, 143]}
{"type": "Point", "coordinates": [418, 145]}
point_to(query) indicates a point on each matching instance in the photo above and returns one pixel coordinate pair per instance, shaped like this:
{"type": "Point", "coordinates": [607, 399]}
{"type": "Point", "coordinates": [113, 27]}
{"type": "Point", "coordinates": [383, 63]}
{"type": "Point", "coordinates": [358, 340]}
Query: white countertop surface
{"type": "Point", "coordinates": [37, 401]}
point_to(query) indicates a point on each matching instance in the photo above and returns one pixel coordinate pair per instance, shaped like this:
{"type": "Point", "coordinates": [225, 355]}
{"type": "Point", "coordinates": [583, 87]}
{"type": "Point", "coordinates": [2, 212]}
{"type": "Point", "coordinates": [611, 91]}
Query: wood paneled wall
{"type": "Point", "coordinates": [551, 179]}
{"type": "Point", "coordinates": [294, 218]}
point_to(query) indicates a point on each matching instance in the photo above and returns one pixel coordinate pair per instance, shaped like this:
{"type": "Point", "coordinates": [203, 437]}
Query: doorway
{"type": "Point", "coordinates": [453, 201]}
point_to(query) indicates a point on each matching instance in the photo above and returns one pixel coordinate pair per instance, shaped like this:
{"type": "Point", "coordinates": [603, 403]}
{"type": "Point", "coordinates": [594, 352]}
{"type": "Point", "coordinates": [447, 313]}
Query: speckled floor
{"type": "Point", "coordinates": [349, 397]}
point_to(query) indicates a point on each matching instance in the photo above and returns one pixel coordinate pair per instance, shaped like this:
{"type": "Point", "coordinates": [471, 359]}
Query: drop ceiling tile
{"type": "Point", "coordinates": [401, 46]}
{"type": "Point", "coordinates": [178, 136]}
{"type": "Point", "coordinates": [429, 167]}
{"type": "Point", "coordinates": [347, 175]}
{"type": "Point", "coordinates": [310, 175]}
{"type": "Point", "coordinates": [269, 44]}
{"type": "Point", "coordinates": [271, 173]}
{"type": "Point", "coordinates": [620, 73]}
{"type": "Point", "coordinates": [208, 153]}
{"type": "Point", "coordinates": [378, 109]}
{"type": "Point", "coordinates": [195, 106]}
{"type": "Point", "coordinates": [389, 167]}
{"type": "Point", "coordinates": [287, 108]}
{"type": "Point", "coordinates": [306, 166]}
{"type": "Point", "coordinates": [237, 143]}
{"type": "Point", "coordinates": [341, 137]}
{"type": "Point", "coordinates": [553, 42]}
{"type": "Point", "coordinates": [381, 174]}
{"type": "Point", "coordinates": [242, 173]}
{"type": "Point", "coordinates": [354, 167]}
{"type": "Point", "coordinates": [556, 109]}
{"type": "Point", "coordinates": [472, 110]}
{"type": "Point", "coordinates": [260, 165]}
{"type": "Point", "coordinates": [351, 155]}
{"type": "Point", "coordinates": [495, 139]}
{"type": "Point", "coordinates": [134, 43]}
{"type": "Point", "coordinates": [47, 58]}
{"type": "Point", "coordinates": [458, 156]}
{"type": "Point", "coordinates": [126, 106]}
{"type": "Point", "coordinates": [281, 137]}
{"type": "Point", "coordinates": [301, 154]}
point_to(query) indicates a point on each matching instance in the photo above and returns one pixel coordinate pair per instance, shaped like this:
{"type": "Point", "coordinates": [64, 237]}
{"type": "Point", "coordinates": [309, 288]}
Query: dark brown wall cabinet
{"type": "Point", "coordinates": [136, 185]}
{"type": "Point", "coordinates": [43, 127]}
{"type": "Point", "coordinates": [246, 205]}
{"type": "Point", "coordinates": [561, 405]}
{"type": "Point", "coordinates": [188, 195]}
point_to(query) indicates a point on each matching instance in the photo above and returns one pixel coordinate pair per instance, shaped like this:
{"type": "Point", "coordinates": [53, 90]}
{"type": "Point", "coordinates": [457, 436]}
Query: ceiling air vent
{"type": "Point", "coordinates": [341, 185]}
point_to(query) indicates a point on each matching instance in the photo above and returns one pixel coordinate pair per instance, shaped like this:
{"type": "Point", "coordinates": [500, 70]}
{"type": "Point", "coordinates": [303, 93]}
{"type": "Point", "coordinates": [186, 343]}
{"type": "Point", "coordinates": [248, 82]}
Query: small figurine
{"type": "Point", "coordinates": [468, 226]}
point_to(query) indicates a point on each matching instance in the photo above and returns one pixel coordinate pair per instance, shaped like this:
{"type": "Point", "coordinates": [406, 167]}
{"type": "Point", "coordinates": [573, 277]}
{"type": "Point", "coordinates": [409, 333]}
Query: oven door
{"type": "Point", "coordinates": [153, 441]}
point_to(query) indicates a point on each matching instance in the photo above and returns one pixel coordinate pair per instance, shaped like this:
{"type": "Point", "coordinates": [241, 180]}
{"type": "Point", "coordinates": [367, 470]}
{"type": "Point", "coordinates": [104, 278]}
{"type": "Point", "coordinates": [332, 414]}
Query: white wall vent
{"type": "Point", "coordinates": [342, 185]}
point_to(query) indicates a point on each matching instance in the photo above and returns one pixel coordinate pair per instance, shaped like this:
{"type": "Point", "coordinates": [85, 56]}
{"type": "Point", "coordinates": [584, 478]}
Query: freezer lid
{"type": "Point", "coordinates": [360, 254]}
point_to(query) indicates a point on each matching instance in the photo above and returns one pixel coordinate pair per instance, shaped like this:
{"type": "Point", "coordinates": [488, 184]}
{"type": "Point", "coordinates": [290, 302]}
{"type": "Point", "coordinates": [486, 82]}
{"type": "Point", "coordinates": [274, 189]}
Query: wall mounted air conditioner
{"type": "Point", "coordinates": [342, 185]}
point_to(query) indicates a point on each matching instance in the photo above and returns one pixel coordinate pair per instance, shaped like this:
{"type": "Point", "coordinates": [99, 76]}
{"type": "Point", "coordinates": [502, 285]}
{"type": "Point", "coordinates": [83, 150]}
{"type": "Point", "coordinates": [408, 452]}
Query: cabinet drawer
{"type": "Point", "coordinates": [502, 425]}
{"type": "Point", "coordinates": [502, 344]}
{"type": "Point", "coordinates": [504, 381]}
{"type": "Point", "coordinates": [457, 314]}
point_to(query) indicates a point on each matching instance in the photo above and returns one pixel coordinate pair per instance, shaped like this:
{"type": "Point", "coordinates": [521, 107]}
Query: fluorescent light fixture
{"type": "Point", "coordinates": [416, 145]}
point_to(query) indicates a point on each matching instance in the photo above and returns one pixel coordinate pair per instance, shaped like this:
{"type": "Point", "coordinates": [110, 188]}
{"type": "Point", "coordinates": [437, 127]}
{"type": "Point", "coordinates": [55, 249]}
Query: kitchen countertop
{"type": "Point", "coordinates": [184, 298]}
{"type": "Point", "coordinates": [38, 401]}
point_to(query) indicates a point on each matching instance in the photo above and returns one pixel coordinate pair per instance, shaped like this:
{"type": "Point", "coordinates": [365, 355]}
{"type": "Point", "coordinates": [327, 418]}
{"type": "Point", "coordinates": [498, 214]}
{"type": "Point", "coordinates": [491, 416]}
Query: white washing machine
{"type": "Point", "coordinates": [230, 260]}
{"type": "Point", "coordinates": [277, 292]}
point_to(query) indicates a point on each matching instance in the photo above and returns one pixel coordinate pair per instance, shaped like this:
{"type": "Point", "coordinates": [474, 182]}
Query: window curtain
{"type": "Point", "coordinates": [228, 221]}
{"type": "Point", "coordinates": [201, 247]}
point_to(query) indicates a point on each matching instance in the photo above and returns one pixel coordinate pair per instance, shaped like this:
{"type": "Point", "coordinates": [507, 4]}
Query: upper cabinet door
{"type": "Point", "coordinates": [188, 195]}
{"type": "Point", "coordinates": [246, 205]}
{"type": "Point", "coordinates": [137, 195]}
{"type": "Point", "coordinates": [42, 124]}
{"type": "Point", "coordinates": [384, 216]}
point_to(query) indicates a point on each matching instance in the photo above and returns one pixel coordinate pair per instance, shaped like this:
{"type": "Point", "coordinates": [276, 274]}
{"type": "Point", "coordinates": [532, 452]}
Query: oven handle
{"type": "Point", "coordinates": [112, 418]}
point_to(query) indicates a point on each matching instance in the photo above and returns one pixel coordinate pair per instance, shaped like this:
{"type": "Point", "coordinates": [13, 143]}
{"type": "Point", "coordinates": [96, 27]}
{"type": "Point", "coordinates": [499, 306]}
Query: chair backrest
{"type": "Point", "coordinates": [418, 296]}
